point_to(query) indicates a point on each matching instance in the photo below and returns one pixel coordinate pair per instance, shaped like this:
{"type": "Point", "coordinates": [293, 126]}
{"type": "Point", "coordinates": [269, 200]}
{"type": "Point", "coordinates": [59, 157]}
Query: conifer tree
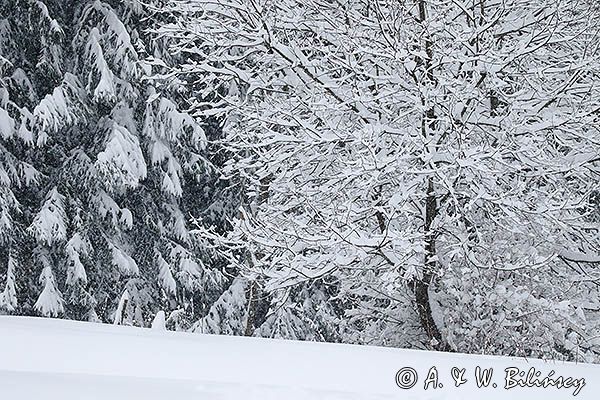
{"type": "Point", "coordinates": [101, 168]}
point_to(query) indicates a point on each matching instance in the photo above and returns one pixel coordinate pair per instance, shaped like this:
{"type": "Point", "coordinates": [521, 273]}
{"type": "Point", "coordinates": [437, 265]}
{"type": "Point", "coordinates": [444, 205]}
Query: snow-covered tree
{"type": "Point", "coordinates": [436, 160]}
{"type": "Point", "coordinates": [101, 167]}
{"type": "Point", "coordinates": [50, 302]}
{"type": "Point", "coordinates": [8, 298]}
{"type": "Point", "coordinates": [229, 314]}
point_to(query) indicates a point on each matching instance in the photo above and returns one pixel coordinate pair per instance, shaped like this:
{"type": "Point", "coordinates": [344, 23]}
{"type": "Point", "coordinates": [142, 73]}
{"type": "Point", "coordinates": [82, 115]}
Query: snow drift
{"type": "Point", "coordinates": [56, 359]}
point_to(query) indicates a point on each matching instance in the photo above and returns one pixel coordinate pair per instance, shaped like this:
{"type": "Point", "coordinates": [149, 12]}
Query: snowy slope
{"type": "Point", "coordinates": [55, 359]}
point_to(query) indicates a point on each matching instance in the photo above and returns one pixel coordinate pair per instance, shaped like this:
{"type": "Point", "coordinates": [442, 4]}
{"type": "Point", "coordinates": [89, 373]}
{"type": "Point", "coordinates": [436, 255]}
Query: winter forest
{"type": "Point", "coordinates": [405, 173]}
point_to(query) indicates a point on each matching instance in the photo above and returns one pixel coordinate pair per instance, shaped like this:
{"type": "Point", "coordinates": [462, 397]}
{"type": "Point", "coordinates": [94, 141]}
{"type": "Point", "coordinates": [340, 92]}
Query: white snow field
{"type": "Point", "coordinates": [56, 359]}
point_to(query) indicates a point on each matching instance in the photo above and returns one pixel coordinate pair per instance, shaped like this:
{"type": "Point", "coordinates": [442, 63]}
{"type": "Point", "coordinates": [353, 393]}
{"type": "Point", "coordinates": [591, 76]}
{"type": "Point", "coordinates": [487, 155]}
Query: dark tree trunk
{"type": "Point", "coordinates": [421, 285]}
{"type": "Point", "coordinates": [252, 296]}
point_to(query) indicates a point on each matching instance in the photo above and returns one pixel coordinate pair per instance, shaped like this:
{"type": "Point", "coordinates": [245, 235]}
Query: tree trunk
{"type": "Point", "coordinates": [421, 285]}
{"type": "Point", "coordinates": [252, 296]}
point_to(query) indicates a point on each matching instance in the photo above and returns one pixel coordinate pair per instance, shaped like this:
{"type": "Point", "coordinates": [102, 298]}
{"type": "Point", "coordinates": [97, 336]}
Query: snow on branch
{"type": "Point", "coordinates": [60, 109]}
{"type": "Point", "coordinates": [122, 161]}
{"type": "Point", "coordinates": [50, 302]}
{"type": "Point", "coordinates": [49, 225]}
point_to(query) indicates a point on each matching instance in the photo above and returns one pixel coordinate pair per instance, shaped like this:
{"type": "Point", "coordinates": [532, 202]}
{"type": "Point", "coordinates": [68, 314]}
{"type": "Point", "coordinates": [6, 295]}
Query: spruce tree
{"type": "Point", "coordinates": [101, 168]}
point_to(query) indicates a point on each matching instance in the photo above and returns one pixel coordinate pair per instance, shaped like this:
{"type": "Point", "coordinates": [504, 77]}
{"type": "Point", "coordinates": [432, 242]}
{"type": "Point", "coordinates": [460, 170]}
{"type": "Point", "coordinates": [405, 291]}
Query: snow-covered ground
{"type": "Point", "coordinates": [56, 359]}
